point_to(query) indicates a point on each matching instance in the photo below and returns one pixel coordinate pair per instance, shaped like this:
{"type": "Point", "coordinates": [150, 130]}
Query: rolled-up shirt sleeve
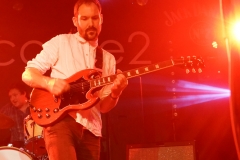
{"type": "Point", "coordinates": [47, 57]}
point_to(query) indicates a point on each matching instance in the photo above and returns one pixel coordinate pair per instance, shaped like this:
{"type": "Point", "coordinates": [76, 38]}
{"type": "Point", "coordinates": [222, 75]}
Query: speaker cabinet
{"type": "Point", "coordinates": [166, 151]}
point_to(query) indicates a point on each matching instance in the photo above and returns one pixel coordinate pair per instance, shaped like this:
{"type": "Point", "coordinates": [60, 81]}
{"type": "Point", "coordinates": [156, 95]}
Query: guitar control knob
{"type": "Point", "coordinates": [34, 109]}
{"type": "Point", "coordinates": [39, 110]}
{"type": "Point", "coordinates": [39, 116]}
{"type": "Point", "coordinates": [48, 115]}
{"type": "Point", "coordinates": [47, 110]}
{"type": "Point", "coordinates": [55, 110]}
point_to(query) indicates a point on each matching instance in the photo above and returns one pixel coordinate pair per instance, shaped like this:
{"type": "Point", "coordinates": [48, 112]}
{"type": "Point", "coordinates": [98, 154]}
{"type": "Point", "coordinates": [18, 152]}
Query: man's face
{"type": "Point", "coordinates": [17, 99]}
{"type": "Point", "coordinates": [88, 21]}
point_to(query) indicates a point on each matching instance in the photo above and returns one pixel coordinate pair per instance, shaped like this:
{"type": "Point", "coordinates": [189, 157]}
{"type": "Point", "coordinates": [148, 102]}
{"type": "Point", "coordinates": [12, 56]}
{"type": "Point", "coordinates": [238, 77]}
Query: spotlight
{"type": "Point", "coordinates": [139, 2]}
{"type": "Point", "coordinates": [236, 31]}
{"type": "Point", "coordinates": [142, 2]}
{"type": "Point", "coordinates": [18, 6]}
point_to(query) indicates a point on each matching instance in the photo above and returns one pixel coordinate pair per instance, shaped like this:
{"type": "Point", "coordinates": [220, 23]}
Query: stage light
{"type": "Point", "coordinates": [139, 2]}
{"type": "Point", "coordinates": [236, 31]}
{"type": "Point", "coordinates": [184, 93]}
{"type": "Point", "coordinates": [190, 93]}
{"type": "Point", "coordinates": [142, 2]}
{"type": "Point", "coordinates": [18, 6]}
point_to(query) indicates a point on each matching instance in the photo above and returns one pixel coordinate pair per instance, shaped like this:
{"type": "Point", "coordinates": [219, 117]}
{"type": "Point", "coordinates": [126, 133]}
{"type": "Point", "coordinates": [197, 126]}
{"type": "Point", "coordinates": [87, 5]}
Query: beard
{"type": "Point", "coordinates": [91, 34]}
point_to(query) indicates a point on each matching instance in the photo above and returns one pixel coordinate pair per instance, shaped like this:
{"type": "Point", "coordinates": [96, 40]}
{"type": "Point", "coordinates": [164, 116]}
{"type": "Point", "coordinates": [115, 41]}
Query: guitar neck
{"type": "Point", "coordinates": [136, 72]}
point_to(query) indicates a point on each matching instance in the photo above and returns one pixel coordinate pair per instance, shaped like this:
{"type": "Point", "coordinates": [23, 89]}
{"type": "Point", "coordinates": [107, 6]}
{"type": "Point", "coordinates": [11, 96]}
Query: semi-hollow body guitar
{"type": "Point", "coordinates": [46, 109]}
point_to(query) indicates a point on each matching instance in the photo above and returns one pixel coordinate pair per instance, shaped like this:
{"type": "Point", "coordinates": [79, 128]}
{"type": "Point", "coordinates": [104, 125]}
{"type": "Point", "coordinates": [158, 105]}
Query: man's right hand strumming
{"type": "Point", "coordinates": [35, 79]}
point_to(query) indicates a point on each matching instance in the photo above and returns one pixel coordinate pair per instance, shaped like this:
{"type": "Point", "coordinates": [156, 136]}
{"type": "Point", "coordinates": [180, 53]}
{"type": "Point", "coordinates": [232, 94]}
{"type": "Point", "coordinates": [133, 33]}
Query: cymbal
{"type": "Point", "coordinates": [5, 122]}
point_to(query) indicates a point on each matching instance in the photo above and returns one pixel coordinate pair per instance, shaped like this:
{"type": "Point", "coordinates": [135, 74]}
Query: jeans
{"type": "Point", "coordinates": [68, 140]}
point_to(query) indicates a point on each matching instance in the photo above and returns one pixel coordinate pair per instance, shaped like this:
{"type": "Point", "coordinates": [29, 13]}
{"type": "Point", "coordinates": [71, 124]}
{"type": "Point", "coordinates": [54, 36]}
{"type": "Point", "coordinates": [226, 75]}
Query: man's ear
{"type": "Point", "coordinates": [101, 18]}
{"type": "Point", "coordinates": [74, 19]}
{"type": "Point", "coordinates": [25, 94]}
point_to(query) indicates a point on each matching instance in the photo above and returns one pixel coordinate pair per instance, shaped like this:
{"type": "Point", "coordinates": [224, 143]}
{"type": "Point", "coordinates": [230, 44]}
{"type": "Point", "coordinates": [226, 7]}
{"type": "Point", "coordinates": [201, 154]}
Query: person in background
{"type": "Point", "coordinates": [76, 135]}
{"type": "Point", "coordinates": [17, 110]}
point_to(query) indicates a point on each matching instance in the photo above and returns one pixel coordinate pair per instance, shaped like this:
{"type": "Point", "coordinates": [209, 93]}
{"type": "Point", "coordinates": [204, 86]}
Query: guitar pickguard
{"type": "Point", "coordinates": [76, 94]}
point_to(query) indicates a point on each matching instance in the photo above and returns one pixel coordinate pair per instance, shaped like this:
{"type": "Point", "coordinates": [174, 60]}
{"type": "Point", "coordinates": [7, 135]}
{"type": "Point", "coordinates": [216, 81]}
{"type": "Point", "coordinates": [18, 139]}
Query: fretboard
{"type": "Point", "coordinates": [135, 72]}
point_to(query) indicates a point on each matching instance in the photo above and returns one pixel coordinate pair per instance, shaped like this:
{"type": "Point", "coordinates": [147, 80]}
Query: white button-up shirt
{"type": "Point", "coordinates": [67, 54]}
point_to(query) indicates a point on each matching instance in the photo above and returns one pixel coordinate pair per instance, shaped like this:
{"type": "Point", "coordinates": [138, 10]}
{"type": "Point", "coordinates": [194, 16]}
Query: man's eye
{"type": "Point", "coordinates": [83, 18]}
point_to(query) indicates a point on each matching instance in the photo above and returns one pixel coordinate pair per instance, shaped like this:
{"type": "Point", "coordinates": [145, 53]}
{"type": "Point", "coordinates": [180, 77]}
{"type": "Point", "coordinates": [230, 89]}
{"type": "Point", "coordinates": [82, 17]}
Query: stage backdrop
{"type": "Point", "coordinates": [155, 108]}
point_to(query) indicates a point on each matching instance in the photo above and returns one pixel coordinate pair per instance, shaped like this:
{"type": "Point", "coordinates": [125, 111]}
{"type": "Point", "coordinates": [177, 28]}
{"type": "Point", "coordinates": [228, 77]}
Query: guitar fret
{"type": "Point", "coordinates": [146, 69]}
{"type": "Point", "coordinates": [102, 81]}
{"type": "Point", "coordinates": [99, 82]}
{"type": "Point", "coordinates": [128, 74]}
{"type": "Point", "coordinates": [157, 66]}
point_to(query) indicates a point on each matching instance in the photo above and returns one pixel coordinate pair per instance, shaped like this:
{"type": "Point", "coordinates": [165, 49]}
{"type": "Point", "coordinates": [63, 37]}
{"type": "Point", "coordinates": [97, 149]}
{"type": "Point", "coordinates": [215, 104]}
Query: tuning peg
{"type": "Point", "coordinates": [187, 71]}
{"type": "Point", "coordinates": [199, 70]}
{"type": "Point", "coordinates": [194, 70]}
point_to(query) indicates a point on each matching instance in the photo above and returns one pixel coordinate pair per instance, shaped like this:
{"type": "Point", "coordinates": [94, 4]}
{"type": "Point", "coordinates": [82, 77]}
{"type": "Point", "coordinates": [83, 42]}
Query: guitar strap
{"type": "Point", "coordinates": [99, 58]}
{"type": "Point", "coordinates": [98, 66]}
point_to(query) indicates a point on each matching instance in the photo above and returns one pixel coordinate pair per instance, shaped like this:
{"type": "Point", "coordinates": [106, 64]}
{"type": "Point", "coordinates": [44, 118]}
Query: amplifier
{"type": "Point", "coordinates": [166, 151]}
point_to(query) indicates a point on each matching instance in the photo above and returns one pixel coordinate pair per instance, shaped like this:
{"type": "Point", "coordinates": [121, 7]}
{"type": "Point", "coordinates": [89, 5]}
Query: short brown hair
{"type": "Point", "coordinates": [80, 2]}
{"type": "Point", "coordinates": [21, 87]}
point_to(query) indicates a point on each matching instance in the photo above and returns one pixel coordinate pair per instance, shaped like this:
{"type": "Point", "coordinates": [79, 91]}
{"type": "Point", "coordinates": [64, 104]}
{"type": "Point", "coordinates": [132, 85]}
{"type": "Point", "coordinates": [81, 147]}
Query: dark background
{"type": "Point", "coordinates": [138, 34]}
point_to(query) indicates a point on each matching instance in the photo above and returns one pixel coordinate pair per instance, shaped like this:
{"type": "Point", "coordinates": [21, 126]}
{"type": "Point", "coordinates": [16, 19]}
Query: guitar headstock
{"type": "Point", "coordinates": [192, 64]}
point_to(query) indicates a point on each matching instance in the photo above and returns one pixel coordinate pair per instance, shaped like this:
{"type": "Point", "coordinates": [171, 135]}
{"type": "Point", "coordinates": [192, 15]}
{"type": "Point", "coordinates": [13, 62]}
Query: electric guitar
{"type": "Point", "coordinates": [46, 109]}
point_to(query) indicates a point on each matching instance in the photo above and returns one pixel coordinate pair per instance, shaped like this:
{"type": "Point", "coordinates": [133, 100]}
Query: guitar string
{"type": "Point", "coordinates": [80, 86]}
{"type": "Point", "coordinates": [99, 82]}
{"type": "Point", "coordinates": [86, 84]}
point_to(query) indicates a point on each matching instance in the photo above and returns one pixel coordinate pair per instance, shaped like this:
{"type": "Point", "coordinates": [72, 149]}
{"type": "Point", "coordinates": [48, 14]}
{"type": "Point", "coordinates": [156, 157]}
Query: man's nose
{"type": "Point", "coordinates": [90, 22]}
{"type": "Point", "coordinates": [12, 99]}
